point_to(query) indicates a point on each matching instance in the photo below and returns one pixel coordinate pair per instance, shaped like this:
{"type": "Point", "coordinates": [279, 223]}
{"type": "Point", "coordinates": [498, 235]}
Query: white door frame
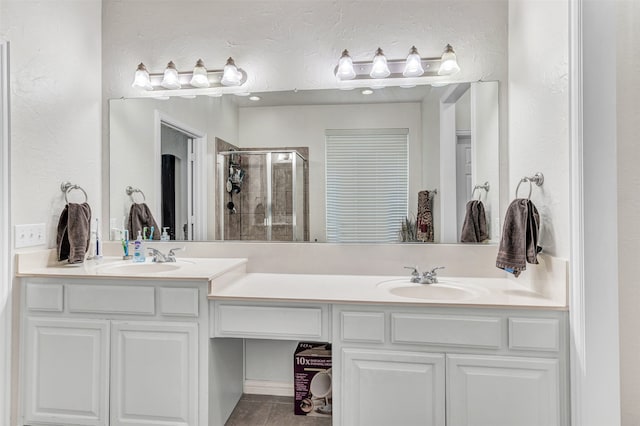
{"type": "Point", "coordinates": [200, 169]}
{"type": "Point", "coordinates": [593, 297]}
{"type": "Point", "coordinates": [448, 147]}
{"type": "Point", "coordinates": [6, 254]}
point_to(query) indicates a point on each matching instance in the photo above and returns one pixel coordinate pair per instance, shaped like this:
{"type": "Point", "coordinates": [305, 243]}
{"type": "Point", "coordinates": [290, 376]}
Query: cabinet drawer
{"type": "Point", "coordinates": [362, 327]}
{"type": "Point", "coordinates": [111, 299]}
{"type": "Point", "coordinates": [179, 301]}
{"type": "Point", "coordinates": [542, 334]}
{"type": "Point", "coordinates": [446, 330]}
{"type": "Point", "coordinates": [44, 297]}
{"type": "Point", "coordinates": [273, 322]}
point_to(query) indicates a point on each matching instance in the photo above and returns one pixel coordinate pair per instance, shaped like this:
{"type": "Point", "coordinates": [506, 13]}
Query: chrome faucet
{"type": "Point", "coordinates": [160, 257]}
{"type": "Point", "coordinates": [429, 277]}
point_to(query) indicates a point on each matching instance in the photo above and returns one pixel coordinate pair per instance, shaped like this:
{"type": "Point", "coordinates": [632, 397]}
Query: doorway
{"type": "Point", "coordinates": [181, 167]}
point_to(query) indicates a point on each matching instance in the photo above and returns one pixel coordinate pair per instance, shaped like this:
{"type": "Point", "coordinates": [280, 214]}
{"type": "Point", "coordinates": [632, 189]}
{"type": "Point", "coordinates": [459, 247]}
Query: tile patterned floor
{"type": "Point", "coordinates": [267, 410]}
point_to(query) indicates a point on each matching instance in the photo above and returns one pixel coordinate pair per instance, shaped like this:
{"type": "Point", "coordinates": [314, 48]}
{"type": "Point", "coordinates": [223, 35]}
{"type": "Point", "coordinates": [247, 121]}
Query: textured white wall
{"type": "Point", "coordinates": [539, 112]}
{"type": "Point", "coordinates": [628, 112]}
{"type": "Point", "coordinates": [296, 44]}
{"type": "Point", "coordinates": [55, 104]}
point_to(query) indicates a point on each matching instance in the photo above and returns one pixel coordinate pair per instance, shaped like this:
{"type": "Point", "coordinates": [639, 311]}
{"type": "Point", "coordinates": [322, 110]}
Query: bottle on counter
{"type": "Point", "coordinates": [138, 249]}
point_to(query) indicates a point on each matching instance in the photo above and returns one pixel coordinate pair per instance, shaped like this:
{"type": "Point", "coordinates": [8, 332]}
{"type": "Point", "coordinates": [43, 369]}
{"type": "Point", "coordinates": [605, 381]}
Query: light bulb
{"type": "Point", "coordinates": [345, 67]}
{"type": "Point", "coordinates": [448, 62]}
{"type": "Point", "coordinates": [380, 68]}
{"type": "Point", "coordinates": [199, 77]}
{"type": "Point", "coordinates": [413, 65]}
{"type": "Point", "coordinates": [231, 76]}
{"type": "Point", "coordinates": [171, 80]}
{"type": "Point", "coordinates": [141, 79]}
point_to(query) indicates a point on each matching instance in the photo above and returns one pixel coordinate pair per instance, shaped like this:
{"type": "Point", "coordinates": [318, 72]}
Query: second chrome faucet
{"type": "Point", "coordinates": [429, 277]}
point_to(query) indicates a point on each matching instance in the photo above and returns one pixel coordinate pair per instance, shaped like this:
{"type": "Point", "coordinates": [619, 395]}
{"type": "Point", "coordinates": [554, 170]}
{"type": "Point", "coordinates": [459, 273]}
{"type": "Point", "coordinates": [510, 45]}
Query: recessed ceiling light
{"type": "Point", "coordinates": [367, 92]}
{"type": "Point", "coordinates": [254, 98]}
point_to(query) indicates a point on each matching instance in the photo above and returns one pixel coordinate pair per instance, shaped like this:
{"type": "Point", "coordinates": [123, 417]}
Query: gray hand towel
{"type": "Point", "coordinates": [519, 242]}
{"type": "Point", "coordinates": [140, 217]}
{"type": "Point", "coordinates": [74, 232]}
{"type": "Point", "coordinates": [474, 228]}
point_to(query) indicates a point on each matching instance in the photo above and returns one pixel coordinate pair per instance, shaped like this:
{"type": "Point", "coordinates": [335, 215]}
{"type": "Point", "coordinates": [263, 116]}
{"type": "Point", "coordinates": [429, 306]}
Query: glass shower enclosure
{"type": "Point", "coordinates": [262, 195]}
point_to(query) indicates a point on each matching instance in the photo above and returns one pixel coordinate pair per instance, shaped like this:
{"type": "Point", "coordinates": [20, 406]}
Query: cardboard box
{"type": "Point", "coordinates": [312, 379]}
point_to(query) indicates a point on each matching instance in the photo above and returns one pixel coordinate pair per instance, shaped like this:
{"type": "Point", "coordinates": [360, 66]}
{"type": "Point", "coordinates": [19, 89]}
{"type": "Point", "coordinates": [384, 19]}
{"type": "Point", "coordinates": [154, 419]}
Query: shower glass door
{"type": "Point", "coordinates": [267, 204]}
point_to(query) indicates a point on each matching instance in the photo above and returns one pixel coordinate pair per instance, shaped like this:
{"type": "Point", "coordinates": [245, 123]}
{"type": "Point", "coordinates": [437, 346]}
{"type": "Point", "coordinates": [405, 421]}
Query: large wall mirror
{"type": "Point", "coordinates": [319, 165]}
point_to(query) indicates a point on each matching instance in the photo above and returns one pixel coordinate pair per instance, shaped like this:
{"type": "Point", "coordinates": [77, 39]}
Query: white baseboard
{"type": "Point", "coordinates": [265, 387]}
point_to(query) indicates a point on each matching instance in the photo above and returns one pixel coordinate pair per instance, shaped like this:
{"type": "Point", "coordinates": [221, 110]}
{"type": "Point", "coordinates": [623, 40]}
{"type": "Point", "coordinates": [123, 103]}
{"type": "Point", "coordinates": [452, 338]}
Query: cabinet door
{"type": "Point", "coordinates": [66, 371]}
{"type": "Point", "coordinates": [154, 373]}
{"type": "Point", "coordinates": [502, 391]}
{"type": "Point", "coordinates": [392, 388]}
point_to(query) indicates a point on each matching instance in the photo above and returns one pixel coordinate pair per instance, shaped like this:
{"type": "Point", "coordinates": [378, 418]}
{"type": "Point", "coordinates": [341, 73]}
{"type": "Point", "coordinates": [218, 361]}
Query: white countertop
{"type": "Point", "coordinates": [229, 281]}
{"type": "Point", "coordinates": [115, 267]}
{"type": "Point", "coordinates": [483, 292]}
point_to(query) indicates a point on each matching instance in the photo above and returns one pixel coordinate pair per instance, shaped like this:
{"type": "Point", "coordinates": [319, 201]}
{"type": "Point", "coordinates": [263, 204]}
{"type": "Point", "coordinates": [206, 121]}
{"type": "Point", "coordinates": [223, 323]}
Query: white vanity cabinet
{"type": "Point", "coordinates": [126, 352]}
{"type": "Point", "coordinates": [382, 387]}
{"type": "Point", "coordinates": [66, 371]}
{"type": "Point", "coordinates": [449, 366]}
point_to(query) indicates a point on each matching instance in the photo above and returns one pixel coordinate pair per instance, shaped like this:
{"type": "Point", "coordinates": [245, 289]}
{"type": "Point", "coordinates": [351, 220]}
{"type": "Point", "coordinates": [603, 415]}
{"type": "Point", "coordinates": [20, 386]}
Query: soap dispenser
{"type": "Point", "coordinates": [138, 249]}
{"type": "Point", "coordinates": [165, 235]}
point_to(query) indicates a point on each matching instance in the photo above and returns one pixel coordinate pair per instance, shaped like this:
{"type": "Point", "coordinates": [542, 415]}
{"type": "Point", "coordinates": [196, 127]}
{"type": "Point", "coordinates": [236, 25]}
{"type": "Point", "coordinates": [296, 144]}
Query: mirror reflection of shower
{"type": "Point", "coordinates": [263, 195]}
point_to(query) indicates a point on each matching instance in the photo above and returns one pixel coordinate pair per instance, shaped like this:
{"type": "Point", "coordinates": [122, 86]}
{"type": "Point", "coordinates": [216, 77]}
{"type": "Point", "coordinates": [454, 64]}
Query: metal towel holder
{"type": "Point", "coordinates": [67, 187]}
{"type": "Point", "coordinates": [485, 186]}
{"type": "Point", "coordinates": [130, 190]}
{"type": "Point", "coordinates": [538, 179]}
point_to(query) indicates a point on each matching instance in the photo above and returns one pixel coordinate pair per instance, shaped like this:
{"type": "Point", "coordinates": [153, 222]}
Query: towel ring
{"type": "Point", "coordinates": [131, 190]}
{"type": "Point", "coordinates": [485, 187]}
{"type": "Point", "coordinates": [67, 187]}
{"type": "Point", "coordinates": [530, 187]}
{"type": "Point", "coordinates": [538, 179]}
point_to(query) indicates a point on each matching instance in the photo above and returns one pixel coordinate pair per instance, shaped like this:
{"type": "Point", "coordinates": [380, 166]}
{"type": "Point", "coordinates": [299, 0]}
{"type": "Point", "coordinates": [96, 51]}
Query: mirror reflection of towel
{"type": "Point", "coordinates": [474, 228]}
{"type": "Point", "coordinates": [424, 220]}
{"type": "Point", "coordinates": [74, 232]}
{"type": "Point", "coordinates": [140, 217]}
{"type": "Point", "coordinates": [519, 243]}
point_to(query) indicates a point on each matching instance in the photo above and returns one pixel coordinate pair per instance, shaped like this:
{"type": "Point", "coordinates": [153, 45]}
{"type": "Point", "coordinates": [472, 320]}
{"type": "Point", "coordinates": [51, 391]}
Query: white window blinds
{"type": "Point", "coordinates": [367, 184]}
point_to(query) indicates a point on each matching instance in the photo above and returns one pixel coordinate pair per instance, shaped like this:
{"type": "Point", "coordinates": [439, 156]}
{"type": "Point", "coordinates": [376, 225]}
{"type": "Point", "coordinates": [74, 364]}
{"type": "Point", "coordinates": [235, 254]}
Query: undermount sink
{"type": "Point", "coordinates": [438, 291]}
{"type": "Point", "coordinates": [130, 268]}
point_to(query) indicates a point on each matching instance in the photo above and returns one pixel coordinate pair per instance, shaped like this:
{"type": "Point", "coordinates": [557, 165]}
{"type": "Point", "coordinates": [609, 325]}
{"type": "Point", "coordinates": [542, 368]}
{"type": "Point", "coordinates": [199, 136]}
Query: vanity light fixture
{"type": "Point", "coordinates": [141, 79]}
{"type": "Point", "coordinates": [382, 72]}
{"type": "Point", "coordinates": [379, 69]}
{"type": "Point", "coordinates": [449, 64]}
{"type": "Point", "coordinates": [231, 75]}
{"type": "Point", "coordinates": [345, 67]}
{"type": "Point", "coordinates": [171, 79]}
{"type": "Point", "coordinates": [198, 81]}
{"type": "Point", "coordinates": [200, 77]}
{"type": "Point", "coordinates": [413, 65]}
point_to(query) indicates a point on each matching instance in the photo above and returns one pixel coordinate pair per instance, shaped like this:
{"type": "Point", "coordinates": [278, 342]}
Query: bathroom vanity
{"type": "Point", "coordinates": [122, 344]}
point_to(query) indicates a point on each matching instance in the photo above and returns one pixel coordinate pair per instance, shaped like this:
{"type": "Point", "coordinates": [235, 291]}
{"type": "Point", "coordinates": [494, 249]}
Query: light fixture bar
{"type": "Point", "coordinates": [155, 88]}
{"type": "Point", "coordinates": [215, 76]}
{"type": "Point", "coordinates": [408, 72]}
{"type": "Point", "coordinates": [396, 66]}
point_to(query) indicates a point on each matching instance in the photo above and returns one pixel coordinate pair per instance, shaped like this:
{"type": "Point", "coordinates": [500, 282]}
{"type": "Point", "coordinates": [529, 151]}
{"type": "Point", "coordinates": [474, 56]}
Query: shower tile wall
{"type": "Point", "coordinates": [253, 198]}
{"type": "Point", "coordinates": [282, 202]}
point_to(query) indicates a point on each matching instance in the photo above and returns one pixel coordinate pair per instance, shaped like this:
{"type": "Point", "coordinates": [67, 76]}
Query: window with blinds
{"type": "Point", "coordinates": [367, 184]}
